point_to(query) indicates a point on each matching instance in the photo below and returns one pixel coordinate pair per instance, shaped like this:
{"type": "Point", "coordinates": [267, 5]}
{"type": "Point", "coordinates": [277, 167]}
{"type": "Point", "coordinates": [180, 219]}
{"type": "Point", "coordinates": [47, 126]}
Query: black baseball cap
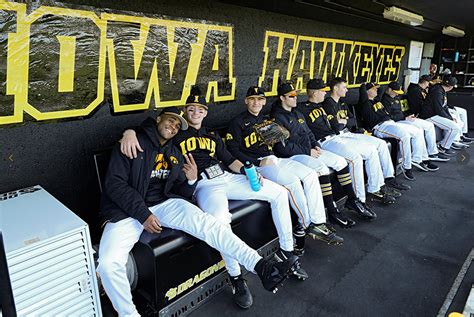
{"type": "Point", "coordinates": [423, 78]}
{"type": "Point", "coordinates": [196, 100]}
{"type": "Point", "coordinates": [177, 113]}
{"type": "Point", "coordinates": [255, 91]}
{"type": "Point", "coordinates": [395, 86]}
{"type": "Point", "coordinates": [318, 84]}
{"type": "Point", "coordinates": [287, 88]}
{"type": "Point", "coordinates": [371, 85]}
{"type": "Point", "coordinates": [450, 81]}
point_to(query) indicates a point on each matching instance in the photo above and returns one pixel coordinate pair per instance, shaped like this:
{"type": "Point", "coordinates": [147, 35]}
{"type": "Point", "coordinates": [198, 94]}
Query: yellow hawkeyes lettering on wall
{"type": "Point", "coordinates": [201, 143]}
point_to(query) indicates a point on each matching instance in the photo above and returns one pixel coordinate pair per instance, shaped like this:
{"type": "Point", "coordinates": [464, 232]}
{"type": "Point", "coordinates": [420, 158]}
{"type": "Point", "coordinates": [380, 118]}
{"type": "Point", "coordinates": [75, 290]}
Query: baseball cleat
{"type": "Point", "coordinates": [438, 158]}
{"type": "Point", "coordinates": [389, 191]}
{"type": "Point", "coordinates": [300, 274]}
{"type": "Point", "coordinates": [408, 174]}
{"type": "Point", "coordinates": [361, 209]}
{"type": "Point", "coordinates": [381, 197]}
{"type": "Point", "coordinates": [393, 183]}
{"type": "Point", "coordinates": [447, 152]}
{"type": "Point", "coordinates": [323, 233]}
{"type": "Point", "coordinates": [273, 273]}
{"type": "Point", "coordinates": [241, 292]}
{"type": "Point", "coordinates": [340, 218]}
{"type": "Point", "coordinates": [419, 166]}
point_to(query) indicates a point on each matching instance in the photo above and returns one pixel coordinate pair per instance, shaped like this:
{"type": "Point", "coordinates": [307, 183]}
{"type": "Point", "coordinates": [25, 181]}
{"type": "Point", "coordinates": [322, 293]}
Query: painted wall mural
{"type": "Point", "coordinates": [60, 62]}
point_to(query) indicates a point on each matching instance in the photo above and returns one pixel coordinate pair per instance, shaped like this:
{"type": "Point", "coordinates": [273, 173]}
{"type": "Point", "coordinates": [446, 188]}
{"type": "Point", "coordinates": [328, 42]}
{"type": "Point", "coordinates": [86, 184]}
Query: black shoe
{"type": "Point", "coordinates": [273, 273]}
{"type": "Point", "coordinates": [466, 141]}
{"type": "Point", "coordinates": [393, 183]}
{"type": "Point", "coordinates": [430, 166]}
{"type": "Point", "coordinates": [447, 152]}
{"type": "Point", "coordinates": [390, 191]}
{"type": "Point", "coordinates": [420, 166]}
{"type": "Point", "coordinates": [438, 158]}
{"type": "Point", "coordinates": [459, 146]}
{"type": "Point", "coordinates": [465, 137]}
{"type": "Point", "coordinates": [408, 174]}
{"type": "Point", "coordinates": [360, 208]}
{"type": "Point", "coordinates": [282, 255]}
{"type": "Point", "coordinates": [242, 296]}
{"type": "Point", "coordinates": [340, 218]}
{"type": "Point", "coordinates": [323, 233]}
{"type": "Point", "coordinates": [381, 197]}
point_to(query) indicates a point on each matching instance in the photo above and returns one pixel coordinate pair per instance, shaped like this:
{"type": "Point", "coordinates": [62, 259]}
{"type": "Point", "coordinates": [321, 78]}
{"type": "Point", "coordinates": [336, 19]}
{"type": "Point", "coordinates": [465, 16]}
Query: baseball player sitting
{"type": "Point", "coordinates": [391, 102]}
{"type": "Point", "coordinates": [245, 142]}
{"type": "Point", "coordinates": [434, 109]}
{"type": "Point", "coordinates": [302, 146]}
{"type": "Point", "coordinates": [321, 117]}
{"type": "Point", "coordinates": [325, 128]}
{"type": "Point", "coordinates": [216, 186]}
{"type": "Point", "coordinates": [150, 193]}
{"type": "Point", "coordinates": [416, 94]}
{"type": "Point", "coordinates": [459, 115]}
{"type": "Point", "coordinates": [377, 119]}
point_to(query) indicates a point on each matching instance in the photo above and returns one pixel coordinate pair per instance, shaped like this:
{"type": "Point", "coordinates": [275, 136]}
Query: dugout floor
{"type": "Point", "coordinates": [402, 264]}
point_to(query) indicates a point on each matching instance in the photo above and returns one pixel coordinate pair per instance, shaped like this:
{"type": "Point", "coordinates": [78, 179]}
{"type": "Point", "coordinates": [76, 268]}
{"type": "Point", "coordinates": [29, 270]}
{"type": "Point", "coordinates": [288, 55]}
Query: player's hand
{"type": "Point", "coordinates": [316, 152]}
{"type": "Point", "coordinates": [152, 224]}
{"type": "Point", "coordinates": [342, 121]}
{"type": "Point", "coordinates": [129, 144]}
{"type": "Point", "coordinates": [411, 117]}
{"type": "Point", "coordinates": [261, 179]}
{"type": "Point", "coordinates": [190, 167]}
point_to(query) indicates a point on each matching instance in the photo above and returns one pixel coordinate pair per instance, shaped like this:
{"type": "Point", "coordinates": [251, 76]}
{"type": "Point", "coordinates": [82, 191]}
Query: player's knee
{"type": "Point", "coordinates": [108, 265]}
{"type": "Point", "coordinates": [221, 215]}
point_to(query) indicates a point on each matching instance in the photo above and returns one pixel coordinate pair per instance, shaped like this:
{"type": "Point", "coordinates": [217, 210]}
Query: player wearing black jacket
{"type": "Point", "coordinates": [435, 110]}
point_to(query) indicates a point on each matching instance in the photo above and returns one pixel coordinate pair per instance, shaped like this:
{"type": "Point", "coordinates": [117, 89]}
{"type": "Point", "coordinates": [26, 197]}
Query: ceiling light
{"type": "Point", "coordinates": [402, 16]}
{"type": "Point", "coordinates": [452, 31]}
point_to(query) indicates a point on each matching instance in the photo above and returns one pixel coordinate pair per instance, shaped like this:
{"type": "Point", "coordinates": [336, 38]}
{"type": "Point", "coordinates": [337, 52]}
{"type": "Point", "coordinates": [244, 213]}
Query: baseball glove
{"type": "Point", "coordinates": [270, 132]}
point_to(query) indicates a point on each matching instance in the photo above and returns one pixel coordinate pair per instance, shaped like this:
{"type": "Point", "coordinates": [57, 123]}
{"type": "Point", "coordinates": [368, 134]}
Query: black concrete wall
{"type": "Point", "coordinates": [58, 154]}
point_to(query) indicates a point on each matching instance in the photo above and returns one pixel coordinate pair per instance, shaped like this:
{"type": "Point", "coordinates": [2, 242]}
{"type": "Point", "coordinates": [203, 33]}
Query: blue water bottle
{"type": "Point", "coordinates": [252, 175]}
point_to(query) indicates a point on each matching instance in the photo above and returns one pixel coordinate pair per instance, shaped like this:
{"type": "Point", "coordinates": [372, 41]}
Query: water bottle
{"type": "Point", "coordinates": [252, 175]}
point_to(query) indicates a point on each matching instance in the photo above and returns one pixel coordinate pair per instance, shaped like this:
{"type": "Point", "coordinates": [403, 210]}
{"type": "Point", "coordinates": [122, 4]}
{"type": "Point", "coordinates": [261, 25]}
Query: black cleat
{"type": "Point", "coordinates": [466, 137]}
{"type": "Point", "coordinates": [393, 183]}
{"type": "Point", "coordinates": [419, 166]}
{"type": "Point", "coordinates": [381, 197]}
{"type": "Point", "coordinates": [323, 233]}
{"type": "Point", "coordinates": [438, 158]}
{"type": "Point", "coordinates": [408, 174]}
{"type": "Point", "coordinates": [390, 191]}
{"type": "Point", "coordinates": [459, 146]}
{"type": "Point", "coordinates": [242, 296]}
{"type": "Point", "coordinates": [272, 273]}
{"type": "Point", "coordinates": [447, 152]}
{"type": "Point", "coordinates": [282, 255]}
{"type": "Point", "coordinates": [360, 208]}
{"type": "Point", "coordinates": [430, 166]}
{"type": "Point", "coordinates": [340, 218]}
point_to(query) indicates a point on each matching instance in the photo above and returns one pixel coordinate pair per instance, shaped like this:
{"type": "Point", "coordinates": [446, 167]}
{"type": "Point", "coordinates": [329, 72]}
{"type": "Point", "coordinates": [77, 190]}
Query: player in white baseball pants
{"type": "Point", "coordinates": [212, 196]}
{"type": "Point", "coordinates": [119, 238]}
